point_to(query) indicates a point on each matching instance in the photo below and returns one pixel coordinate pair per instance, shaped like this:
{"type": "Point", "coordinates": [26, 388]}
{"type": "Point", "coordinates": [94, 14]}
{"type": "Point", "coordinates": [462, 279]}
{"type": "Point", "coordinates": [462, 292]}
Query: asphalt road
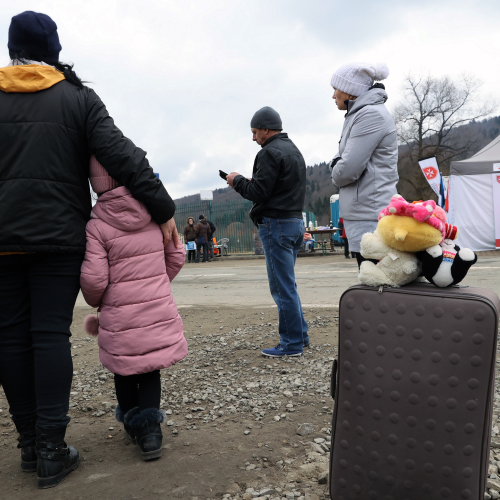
{"type": "Point", "coordinates": [320, 280]}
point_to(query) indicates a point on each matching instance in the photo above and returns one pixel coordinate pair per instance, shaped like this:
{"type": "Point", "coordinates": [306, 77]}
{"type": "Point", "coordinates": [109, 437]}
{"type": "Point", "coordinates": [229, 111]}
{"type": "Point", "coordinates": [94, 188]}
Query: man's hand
{"type": "Point", "coordinates": [169, 231]}
{"type": "Point", "coordinates": [230, 178]}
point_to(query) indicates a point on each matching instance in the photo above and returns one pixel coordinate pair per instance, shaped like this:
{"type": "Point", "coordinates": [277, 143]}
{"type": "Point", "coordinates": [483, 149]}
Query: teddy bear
{"type": "Point", "coordinates": [395, 268]}
{"type": "Point", "coordinates": [403, 229]}
{"type": "Point", "coordinates": [446, 264]}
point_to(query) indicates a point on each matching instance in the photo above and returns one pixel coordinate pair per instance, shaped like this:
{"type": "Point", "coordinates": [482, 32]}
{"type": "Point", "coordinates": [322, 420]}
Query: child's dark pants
{"type": "Point", "coordinates": [143, 391]}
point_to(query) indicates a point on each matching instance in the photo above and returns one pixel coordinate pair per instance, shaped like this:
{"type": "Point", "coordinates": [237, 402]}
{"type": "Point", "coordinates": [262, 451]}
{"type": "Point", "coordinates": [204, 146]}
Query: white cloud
{"type": "Point", "coordinates": [183, 78]}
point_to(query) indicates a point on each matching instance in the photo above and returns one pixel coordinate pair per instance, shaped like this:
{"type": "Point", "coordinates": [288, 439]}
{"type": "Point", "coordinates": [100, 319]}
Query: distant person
{"type": "Point", "coordinates": [202, 236]}
{"type": "Point", "coordinates": [51, 124]}
{"type": "Point", "coordinates": [308, 242]}
{"type": "Point", "coordinates": [345, 241]}
{"type": "Point", "coordinates": [366, 166]}
{"type": "Point", "coordinates": [278, 189]}
{"type": "Point", "coordinates": [126, 274]}
{"type": "Point", "coordinates": [210, 240]}
{"type": "Point", "coordinates": [190, 237]}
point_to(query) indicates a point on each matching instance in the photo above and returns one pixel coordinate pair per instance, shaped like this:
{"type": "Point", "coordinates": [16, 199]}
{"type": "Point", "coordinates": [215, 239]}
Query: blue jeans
{"type": "Point", "coordinates": [199, 246]}
{"type": "Point", "coordinates": [281, 240]}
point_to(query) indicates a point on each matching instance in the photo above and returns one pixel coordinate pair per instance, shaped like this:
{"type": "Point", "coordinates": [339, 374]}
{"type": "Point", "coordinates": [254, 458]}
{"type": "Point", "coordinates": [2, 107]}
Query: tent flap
{"type": "Point", "coordinates": [472, 211]}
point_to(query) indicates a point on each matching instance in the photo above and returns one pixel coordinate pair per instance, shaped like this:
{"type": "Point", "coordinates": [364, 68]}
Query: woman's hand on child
{"type": "Point", "coordinates": [169, 231]}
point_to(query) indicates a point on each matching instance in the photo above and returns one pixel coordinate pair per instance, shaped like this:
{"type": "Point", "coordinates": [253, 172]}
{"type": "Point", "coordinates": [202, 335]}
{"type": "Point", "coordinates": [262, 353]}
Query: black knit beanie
{"type": "Point", "coordinates": [34, 34]}
{"type": "Point", "coordinates": [268, 118]}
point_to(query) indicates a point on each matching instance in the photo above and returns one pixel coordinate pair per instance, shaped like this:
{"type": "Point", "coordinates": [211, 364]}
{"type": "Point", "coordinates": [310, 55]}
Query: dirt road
{"type": "Point", "coordinates": [232, 417]}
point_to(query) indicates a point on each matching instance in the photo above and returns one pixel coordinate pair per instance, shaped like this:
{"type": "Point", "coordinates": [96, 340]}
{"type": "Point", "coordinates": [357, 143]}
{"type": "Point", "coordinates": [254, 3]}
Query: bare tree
{"type": "Point", "coordinates": [428, 120]}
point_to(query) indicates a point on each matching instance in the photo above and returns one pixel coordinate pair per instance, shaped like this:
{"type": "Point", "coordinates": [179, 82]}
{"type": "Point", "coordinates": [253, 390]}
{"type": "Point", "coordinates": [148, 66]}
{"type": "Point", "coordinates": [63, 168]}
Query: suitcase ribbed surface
{"type": "Point", "coordinates": [414, 395]}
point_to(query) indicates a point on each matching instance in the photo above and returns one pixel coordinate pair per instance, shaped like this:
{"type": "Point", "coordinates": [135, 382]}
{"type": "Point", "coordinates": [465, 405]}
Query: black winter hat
{"type": "Point", "coordinates": [266, 117]}
{"type": "Point", "coordinates": [34, 34]}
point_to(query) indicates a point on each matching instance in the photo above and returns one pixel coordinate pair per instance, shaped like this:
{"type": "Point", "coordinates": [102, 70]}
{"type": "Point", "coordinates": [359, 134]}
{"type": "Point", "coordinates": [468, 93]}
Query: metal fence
{"type": "Point", "coordinates": [310, 217]}
{"type": "Point", "coordinates": [230, 218]}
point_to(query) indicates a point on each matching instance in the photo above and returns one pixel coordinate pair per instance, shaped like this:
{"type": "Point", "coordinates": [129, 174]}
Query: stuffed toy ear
{"type": "Point", "coordinates": [91, 325]}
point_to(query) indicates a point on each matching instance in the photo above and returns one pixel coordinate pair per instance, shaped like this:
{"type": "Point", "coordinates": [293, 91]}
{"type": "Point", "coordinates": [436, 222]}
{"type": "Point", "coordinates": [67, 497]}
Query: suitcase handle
{"type": "Point", "coordinates": [333, 379]}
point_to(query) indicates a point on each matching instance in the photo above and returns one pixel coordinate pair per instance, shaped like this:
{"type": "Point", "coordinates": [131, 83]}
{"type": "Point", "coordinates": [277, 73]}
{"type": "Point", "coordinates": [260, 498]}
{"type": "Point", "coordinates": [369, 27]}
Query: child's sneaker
{"type": "Point", "coordinates": [147, 431]}
{"type": "Point", "coordinates": [279, 351]}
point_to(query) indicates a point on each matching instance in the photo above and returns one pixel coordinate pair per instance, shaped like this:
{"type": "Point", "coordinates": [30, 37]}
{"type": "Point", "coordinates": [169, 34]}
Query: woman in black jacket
{"type": "Point", "coordinates": [50, 124]}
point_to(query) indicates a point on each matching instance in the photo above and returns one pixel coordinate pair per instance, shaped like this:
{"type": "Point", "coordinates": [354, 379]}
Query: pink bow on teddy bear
{"type": "Point", "coordinates": [421, 212]}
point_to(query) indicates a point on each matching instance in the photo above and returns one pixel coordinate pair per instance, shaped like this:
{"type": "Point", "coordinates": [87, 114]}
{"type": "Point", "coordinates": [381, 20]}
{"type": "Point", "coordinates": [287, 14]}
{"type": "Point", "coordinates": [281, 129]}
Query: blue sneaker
{"type": "Point", "coordinates": [279, 351]}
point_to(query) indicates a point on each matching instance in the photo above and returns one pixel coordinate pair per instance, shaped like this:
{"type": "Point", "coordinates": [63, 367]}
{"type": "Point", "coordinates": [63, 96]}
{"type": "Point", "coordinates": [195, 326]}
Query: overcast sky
{"type": "Point", "coordinates": [183, 78]}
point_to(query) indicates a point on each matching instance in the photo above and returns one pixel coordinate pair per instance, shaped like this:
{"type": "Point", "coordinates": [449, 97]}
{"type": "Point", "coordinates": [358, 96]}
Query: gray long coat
{"type": "Point", "coordinates": [365, 169]}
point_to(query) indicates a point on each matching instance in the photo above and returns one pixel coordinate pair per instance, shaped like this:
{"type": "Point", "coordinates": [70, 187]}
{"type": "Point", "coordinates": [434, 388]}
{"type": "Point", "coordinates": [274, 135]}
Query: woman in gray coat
{"type": "Point", "coordinates": [365, 168]}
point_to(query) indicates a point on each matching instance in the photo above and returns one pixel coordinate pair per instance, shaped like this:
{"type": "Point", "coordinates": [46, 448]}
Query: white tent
{"type": "Point", "coordinates": [474, 198]}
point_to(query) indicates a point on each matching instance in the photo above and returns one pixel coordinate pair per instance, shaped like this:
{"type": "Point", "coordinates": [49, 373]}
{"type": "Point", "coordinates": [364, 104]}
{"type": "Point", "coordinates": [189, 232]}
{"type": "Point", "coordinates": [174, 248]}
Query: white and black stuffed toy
{"type": "Point", "coordinates": [446, 264]}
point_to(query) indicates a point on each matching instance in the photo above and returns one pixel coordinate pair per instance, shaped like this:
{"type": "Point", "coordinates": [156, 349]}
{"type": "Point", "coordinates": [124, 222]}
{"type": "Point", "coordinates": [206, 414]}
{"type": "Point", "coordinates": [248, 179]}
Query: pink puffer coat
{"type": "Point", "coordinates": [127, 273]}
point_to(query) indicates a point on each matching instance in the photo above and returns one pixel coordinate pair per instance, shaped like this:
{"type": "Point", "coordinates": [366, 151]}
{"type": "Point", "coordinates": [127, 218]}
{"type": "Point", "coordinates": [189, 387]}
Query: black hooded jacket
{"type": "Point", "coordinates": [48, 132]}
{"type": "Point", "coordinates": [278, 184]}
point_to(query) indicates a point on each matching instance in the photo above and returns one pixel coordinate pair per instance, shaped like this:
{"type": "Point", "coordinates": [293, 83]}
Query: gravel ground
{"type": "Point", "coordinates": [233, 417]}
{"type": "Point", "coordinates": [239, 426]}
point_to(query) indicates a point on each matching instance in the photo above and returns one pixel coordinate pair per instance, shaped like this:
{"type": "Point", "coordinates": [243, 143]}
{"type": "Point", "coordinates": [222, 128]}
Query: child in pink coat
{"type": "Point", "coordinates": [126, 274]}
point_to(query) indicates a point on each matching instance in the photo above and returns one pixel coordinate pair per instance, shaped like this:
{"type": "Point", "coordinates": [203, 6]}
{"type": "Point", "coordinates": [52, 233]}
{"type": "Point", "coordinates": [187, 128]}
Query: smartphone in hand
{"type": "Point", "coordinates": [223, 175]}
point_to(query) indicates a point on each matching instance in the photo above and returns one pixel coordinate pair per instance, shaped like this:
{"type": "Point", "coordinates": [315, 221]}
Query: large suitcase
{"type": "Point", "coordinates": [414, 392]}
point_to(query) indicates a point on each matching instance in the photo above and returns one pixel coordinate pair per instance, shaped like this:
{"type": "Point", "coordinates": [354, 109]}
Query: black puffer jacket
{"type": "Point", "coordinates": [278, 185]}
{"type": "Point", "coordinates": [47, 137]}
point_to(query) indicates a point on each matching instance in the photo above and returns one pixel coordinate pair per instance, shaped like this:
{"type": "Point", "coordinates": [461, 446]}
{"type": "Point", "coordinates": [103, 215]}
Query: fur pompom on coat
{"type": "Point", "coordinates": [91, 325]}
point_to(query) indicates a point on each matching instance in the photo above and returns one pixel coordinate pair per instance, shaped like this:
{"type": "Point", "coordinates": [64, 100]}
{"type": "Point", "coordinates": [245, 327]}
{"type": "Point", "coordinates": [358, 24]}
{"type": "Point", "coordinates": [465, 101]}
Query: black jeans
{"type": "Point", "coordinates": [205, 251]}
{"type": "Point", "coordinates": [143, 390]}
{"type": "Point", "coordinates": [361, 259]}
{"type": "Point", "coordinates": [346, 247]}
{"type": "Point", "coordinates": [37, 296]}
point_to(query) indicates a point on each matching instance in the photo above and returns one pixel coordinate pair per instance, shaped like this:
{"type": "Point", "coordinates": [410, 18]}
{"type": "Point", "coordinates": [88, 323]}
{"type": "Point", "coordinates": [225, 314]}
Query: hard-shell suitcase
{"type": "Point", "coordinates": [413, 393]}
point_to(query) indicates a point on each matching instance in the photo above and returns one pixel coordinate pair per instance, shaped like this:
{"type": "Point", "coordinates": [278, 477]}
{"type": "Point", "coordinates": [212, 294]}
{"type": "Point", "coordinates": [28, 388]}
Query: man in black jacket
{"type": "Point", "coordinates": [278, 189]}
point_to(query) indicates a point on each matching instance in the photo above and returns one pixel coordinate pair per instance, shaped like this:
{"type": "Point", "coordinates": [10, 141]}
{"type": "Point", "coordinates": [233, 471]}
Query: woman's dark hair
{"type": "Point", "coordinates": [377, 85]}
{"type": "Point", "coordinates": [65, 69]}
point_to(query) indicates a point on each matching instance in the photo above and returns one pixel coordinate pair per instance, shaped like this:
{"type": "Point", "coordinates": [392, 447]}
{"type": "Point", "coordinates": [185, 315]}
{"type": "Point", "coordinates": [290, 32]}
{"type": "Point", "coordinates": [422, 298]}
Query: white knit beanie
{"type": "Point", "coordinates": [356, 78]}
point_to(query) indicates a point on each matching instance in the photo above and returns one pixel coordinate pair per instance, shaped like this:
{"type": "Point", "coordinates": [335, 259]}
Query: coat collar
{"type": "Point", "coordinates": [281, 135]}
{"type": "Point", "coordinates": [372, 96]}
